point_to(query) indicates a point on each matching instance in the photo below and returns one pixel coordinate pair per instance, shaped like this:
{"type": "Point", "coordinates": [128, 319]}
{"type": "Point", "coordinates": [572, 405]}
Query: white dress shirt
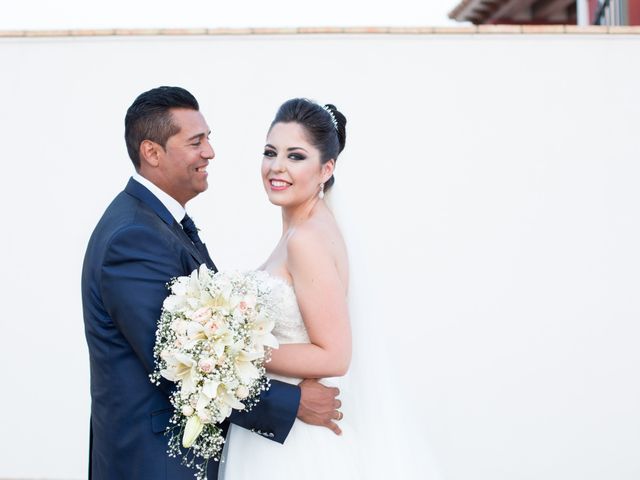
{"type": "Point", "coordinates": [175, 209]}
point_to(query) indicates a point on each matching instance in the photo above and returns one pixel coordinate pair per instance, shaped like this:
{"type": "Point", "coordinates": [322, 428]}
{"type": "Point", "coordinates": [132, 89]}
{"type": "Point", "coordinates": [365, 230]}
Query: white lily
{"type": "Point", "coordinates": [204, 274]}
{"type": "Point", "coordinates": [182, 367]}
{"type": "Point", "coordinates": [192, 430]}
{"type": "Point", "coordinates": [261, 332]}
{"type": "Point", "coordinates": [224, 400]}
{"type": "Point", "coordinates": [180, 286]}
{"type": "Point", "coordinates": [247, 371]}
{"type": "Point", "coordinates": [195, 331]}
{"type": "Point", "coordinates": [220, 304]}
{"type": "Point", "coordinates": [230, 400]}
{"type": "Point", "coordinates": [194, 286]}
{"type": "Point", "coordinates": [175, 303]}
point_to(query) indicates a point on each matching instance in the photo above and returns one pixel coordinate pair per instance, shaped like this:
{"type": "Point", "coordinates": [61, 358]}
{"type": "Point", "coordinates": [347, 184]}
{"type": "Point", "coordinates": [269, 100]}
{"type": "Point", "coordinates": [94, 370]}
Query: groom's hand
{"type": "Point", "coordinates": [319, 405]}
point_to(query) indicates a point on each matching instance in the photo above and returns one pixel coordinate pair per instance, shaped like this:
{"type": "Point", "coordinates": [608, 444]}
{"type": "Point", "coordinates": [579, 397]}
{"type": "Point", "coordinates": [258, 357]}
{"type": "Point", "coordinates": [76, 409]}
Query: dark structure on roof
{"type": "Point", "coordinates": [548, 12]}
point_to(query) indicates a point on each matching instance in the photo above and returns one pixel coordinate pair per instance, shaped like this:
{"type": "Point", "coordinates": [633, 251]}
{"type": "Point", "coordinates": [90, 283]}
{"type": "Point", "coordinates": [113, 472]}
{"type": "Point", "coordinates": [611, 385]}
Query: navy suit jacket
{"type": "Point", "coordinates": [135, 250]}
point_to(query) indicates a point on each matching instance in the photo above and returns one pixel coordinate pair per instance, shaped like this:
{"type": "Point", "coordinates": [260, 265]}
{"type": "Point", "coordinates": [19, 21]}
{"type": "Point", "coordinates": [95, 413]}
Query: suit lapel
{"type": "Point", "coordinates": [184, 238]}
{"type": "Point", "coordinates": [143, 194]}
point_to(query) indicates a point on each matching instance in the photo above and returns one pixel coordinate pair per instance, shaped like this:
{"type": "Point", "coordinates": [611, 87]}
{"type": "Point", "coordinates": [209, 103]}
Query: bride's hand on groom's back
{"type": "Point", "coordinates": [319, 405]}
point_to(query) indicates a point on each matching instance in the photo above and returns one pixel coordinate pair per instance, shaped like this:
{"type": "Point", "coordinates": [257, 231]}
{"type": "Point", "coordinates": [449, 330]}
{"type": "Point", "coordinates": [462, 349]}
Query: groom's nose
{"type": "Point", "coordinates": [207, 151]}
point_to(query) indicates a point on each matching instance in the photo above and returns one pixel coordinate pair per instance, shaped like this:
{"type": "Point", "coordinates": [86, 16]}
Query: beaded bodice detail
{"type": "Point", "coordinates": [289, 327]}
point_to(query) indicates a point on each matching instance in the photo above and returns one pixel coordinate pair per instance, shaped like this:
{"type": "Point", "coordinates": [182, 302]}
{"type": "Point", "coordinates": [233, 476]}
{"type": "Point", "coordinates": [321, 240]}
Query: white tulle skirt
{"type": "Point", "coordinates": [312, 453]}
{"type": "Point", "coordinates": [309, 453]}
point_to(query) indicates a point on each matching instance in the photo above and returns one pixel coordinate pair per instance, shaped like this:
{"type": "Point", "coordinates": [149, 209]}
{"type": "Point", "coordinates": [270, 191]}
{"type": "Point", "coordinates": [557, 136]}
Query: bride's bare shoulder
{"type": "Point", "coordinates": [317, 245]}
{"type": "Point", "coordinates": [305, 239]}
{"type": "Point", "coordinates": [319, 235]}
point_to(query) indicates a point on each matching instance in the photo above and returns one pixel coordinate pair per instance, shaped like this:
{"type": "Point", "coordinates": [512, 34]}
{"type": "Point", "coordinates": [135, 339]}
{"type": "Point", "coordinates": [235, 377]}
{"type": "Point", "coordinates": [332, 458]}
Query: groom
{"type": "Point", "coordinates": [144, 239]}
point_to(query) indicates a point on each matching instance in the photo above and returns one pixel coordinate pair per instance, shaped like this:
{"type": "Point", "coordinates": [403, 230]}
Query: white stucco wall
{"type": "Point", "coordinates": [492, 181]}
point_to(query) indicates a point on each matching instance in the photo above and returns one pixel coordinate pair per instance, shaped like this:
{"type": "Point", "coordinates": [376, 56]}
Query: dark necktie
{"type": "Point", "coordinates": [189, 227]}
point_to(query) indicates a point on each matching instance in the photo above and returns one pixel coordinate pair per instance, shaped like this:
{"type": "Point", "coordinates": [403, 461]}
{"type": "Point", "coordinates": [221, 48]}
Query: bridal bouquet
{"type": "Point", "coordinates": [212, 340]}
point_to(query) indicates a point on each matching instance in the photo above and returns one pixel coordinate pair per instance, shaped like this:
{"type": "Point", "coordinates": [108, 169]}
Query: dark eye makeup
{"type": "Point", "coordinates": [293, 156]}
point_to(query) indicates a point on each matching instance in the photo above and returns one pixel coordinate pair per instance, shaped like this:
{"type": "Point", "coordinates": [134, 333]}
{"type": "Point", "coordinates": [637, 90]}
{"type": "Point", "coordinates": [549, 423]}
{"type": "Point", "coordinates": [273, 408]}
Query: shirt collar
{"type": "Point", "coordinates": [177, 211]}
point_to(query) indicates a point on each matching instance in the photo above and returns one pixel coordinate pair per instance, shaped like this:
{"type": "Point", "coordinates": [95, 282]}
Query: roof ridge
{"type": "Point", "coordinates": [262, 31]}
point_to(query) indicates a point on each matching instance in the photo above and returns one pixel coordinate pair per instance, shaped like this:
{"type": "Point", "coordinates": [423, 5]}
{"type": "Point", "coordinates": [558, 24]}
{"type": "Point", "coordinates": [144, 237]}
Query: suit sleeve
{"type": "Point", "coordinates": [274, 414]}
{"type": "Point", "coordinates": [135, 272]}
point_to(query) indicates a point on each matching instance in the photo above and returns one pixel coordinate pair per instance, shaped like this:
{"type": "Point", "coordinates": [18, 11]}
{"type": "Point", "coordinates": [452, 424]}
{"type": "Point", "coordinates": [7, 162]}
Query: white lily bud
{"type": "Point", "coordinates": [192, 430]}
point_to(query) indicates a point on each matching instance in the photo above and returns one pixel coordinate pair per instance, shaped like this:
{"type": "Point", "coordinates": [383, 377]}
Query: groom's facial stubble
{"type": "Point", "coordinates": [179, 169]}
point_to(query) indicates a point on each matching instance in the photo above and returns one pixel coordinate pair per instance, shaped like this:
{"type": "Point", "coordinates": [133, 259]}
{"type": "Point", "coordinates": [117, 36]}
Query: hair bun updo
{"type": "Point", "coordinates": [328, 137]}
{"type": "Point", "coordinates": [341, 125]}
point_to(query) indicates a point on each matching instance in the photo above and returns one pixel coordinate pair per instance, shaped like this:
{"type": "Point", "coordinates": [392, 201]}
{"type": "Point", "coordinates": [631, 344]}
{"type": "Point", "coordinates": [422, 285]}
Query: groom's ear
{"type": "Point", "coordinates": [150, 153]}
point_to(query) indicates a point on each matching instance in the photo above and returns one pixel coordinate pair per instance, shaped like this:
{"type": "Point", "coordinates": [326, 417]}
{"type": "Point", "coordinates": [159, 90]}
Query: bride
{"type": "Point", "coordinates": [309, 272]}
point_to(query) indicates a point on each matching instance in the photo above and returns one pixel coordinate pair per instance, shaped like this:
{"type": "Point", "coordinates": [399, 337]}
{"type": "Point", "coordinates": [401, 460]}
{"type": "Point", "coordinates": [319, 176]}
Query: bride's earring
{"type": "Point", "coordinates": [321, 192]}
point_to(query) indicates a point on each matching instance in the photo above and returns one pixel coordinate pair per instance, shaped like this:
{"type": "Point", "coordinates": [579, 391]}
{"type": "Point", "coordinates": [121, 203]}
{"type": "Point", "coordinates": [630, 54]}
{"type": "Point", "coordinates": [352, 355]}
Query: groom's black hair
{"type": "Point", "coordinates": [149, 118]}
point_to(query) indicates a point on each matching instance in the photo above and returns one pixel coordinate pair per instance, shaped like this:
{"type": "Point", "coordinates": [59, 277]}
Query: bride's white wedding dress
{"type": "Point", "coordinates": [385, 432]}
{"type": "Point", "coordinates": [309, 452]}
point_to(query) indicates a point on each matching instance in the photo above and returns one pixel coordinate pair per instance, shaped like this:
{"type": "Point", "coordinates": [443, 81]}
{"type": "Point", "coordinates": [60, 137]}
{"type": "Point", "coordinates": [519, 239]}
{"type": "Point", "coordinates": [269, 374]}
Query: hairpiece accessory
{"type": "Point", "coordinates": [333, 118]}
{"type": "Point", "coordinates": [321, 192]}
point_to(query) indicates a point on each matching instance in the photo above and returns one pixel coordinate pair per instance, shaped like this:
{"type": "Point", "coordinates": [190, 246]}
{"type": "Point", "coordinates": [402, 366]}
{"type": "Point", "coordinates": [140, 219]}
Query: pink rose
{"type": "Point", "coordinates": [211, 327]}
{"type": "Point", "coordinates": [206, 365]}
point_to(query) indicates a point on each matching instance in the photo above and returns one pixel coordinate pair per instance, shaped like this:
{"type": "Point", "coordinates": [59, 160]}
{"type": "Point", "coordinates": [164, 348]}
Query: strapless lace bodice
{"type": "Point", "coordinates": [289, 327]}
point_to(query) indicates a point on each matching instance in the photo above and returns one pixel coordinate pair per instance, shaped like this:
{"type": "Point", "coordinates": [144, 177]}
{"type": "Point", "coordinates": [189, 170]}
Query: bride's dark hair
{"type": "Point", "coordinates": [318, 122]}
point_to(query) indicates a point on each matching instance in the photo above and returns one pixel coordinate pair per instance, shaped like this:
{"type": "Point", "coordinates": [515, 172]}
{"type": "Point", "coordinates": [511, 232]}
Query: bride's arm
{"type": "Point", "coordinates": [322, 300]}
